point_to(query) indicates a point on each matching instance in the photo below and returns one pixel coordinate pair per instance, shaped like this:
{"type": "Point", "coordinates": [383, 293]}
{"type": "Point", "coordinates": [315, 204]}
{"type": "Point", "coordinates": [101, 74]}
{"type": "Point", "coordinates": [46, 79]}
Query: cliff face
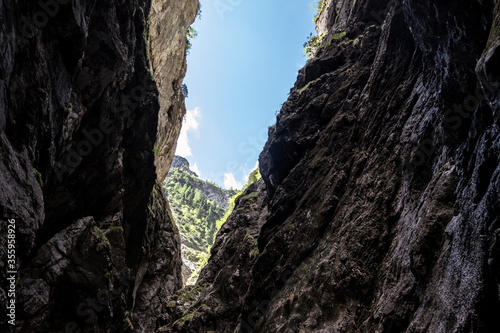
{"type": "Point", "coordinates": [96, 247]}
{"type": "Point", "coordinates": [170, 21]}
{"type": "Point", "coordinates": [379, 205]}
{"type": "Point", "coordinates": [380, 210]}
{"type": "Point", "coordinates": [179, 162]}
{"type": "Point", "coordinates": [215, 302]}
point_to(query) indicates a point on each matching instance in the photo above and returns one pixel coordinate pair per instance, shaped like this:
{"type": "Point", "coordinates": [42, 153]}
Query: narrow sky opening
{"type": "Point", "coordinates": [241, 67]}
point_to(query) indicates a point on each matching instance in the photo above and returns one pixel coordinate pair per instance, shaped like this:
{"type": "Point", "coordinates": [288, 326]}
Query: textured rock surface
{"type": "Point", "coordinates": [170, 21]}
{"type": "Point", "coordinates": [179, 162]}
{"type": "Point", "coordinates": [227, 275]}
{"type": "Point", "coordinates": [79, 112]}
{"type": "Point", "coordinates": [379, 206]}
{"type": "Point", "coordinates": [382, 182]}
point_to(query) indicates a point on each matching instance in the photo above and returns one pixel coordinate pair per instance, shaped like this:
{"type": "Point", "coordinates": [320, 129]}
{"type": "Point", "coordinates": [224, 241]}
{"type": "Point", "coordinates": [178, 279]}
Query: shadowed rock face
{"type": "Point", "coordinates": [379, 205]}
{"type": "Point", "coordinates": [381, 209]}
{"type": "Point", "coordinates": [79, 110]}
{"type": "Point", "coordinates": [227, 276]}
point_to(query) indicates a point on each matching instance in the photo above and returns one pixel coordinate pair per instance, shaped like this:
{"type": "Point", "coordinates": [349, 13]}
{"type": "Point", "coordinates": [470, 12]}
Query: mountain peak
{"type": "Point", "coordinates": [179, 162]}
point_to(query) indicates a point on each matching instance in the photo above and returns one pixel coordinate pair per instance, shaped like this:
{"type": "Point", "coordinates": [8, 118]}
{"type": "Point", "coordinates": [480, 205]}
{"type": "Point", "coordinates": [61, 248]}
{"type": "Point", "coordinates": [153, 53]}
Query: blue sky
{"type": "Point", "coordinates": [240, 70]}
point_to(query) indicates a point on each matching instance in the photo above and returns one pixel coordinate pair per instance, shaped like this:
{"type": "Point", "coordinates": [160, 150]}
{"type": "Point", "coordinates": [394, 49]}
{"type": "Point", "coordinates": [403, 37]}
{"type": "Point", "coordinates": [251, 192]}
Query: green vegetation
{"type": "Point", "coordinates": [190, 35]}
{"type": "Point", "coordinates": [254, 253]}
{"type": "Point", "coordinates": [255, 250]}
{"type": "Point", "coordinates": [157, 151]}
{"type": "Point", "coordinates": [307, 48]}
{"type": "Point", "coordinates": [338, 35]}
{"type": "Point", "coordinates": [223, 219]}
{"type": "Point", "coordinates": [183, 320]}
{"type": "Point", "coordinates": [195, 215]}
{"type": "Point", "coordinates": [184, 90]}
{"type": "Point", "coordinates": [312, 44]}
{"type": "Point", "coordinates": [198, 218]}
{"type": "Point", "coordinates": [251, 195]}
{"type": "Point", "coordinates": [319, 10]}
{"type": "Point", "coordinates": [100, 236]}
{"type": "Point", "coordinates": [189, 295]}
{"type": "Point", "coordinates": [253, 177]}
{"type": "Point", "coordinates": [40, 180]}
{"type": "Point", "coordinates": [304, 87]}
{"type": "Point", "coordinates": [315, 43]}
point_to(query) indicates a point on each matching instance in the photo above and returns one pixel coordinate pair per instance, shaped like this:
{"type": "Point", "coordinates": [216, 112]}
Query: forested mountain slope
{"type": "Point", "coordinates": [196, 205]}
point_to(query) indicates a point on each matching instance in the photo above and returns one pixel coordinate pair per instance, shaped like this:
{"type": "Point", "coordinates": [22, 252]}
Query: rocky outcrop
{"type": "Point", "coordinates": [170, 21]}
{"type": "Point", "coordinates": [382, 184]}
{"type": "Point", "coordinates": [97, 249]}
{"type": "Point", "coordinates": [179, 162]}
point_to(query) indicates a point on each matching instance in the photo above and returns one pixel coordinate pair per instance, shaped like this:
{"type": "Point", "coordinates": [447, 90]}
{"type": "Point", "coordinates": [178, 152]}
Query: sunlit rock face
{"type": "Point", "coordinates": [79, 115]}
{"type": "Point", "coordinates": [170, 21]}
{"type": "Point", "coordinates": [380, 208]}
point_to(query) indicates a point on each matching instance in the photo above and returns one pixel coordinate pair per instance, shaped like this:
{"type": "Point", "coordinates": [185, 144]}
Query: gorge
{"type": "Point", "coordinates": [378, 209]}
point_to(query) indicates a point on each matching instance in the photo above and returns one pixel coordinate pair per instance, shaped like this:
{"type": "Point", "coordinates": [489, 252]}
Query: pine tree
{"type": "Point", "coordinates": [197, 198]}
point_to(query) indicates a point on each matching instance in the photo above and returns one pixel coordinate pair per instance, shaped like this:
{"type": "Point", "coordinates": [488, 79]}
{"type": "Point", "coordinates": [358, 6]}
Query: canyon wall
{"type": "Point", "coordinates": [170, 21]}
{"type": "Point", "coordinates": [378, 210]}
{"type": "Point", "coordinates": [379, 207]}
{"type": "Point", "coordinates": [97, 250]}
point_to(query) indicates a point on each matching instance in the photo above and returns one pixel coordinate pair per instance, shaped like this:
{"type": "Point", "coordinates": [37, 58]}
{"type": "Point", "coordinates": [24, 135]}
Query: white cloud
{"type": "Point", "coordinates": [190, 123]}
{"type": "Point", "coordinates": [231, 183]}
{"type": "Point", "coordinates": [247, 172]}
{"type": "Point", "coordinates": [195, 169]}
{"type": "Point", "coordinates": [256, 165]}
{"type": "Point", "coordinates": [245, 178]}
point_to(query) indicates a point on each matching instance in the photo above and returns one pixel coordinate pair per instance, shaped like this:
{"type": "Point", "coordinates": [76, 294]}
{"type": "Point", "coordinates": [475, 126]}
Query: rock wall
{"type": "Point", "coordinates": [79, 114]}
{"type": "Point", "coordinates": [170, 21]}
{"type": "Point", "coordinates": [382, 182]}
{"type": "Point", "coordinates": [214, 303]}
